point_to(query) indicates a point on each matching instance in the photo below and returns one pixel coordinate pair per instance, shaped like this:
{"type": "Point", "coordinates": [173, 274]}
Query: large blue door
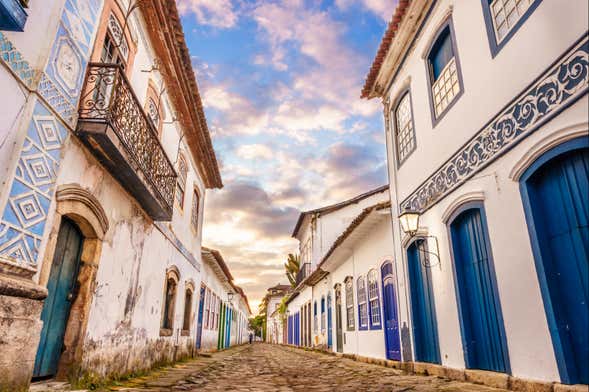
{"type": "Point", "coordinates": [555, 194]}
{"type": "Point", "coordinates": [391, 319]}
{"type": "Point", "coordinates": [423, 311]}
{"type": "Point", "coordinates": [61, 289]}
{"type": "Point", "coordinates": [329, 323]}
{"type": "Point", "coordinates": [483, 335]}
{"type": "Point", "coordinates": [201, 303]}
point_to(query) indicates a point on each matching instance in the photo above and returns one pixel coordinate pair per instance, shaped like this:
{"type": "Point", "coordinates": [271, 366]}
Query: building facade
{"type": "Point", "coordinates": [274, 319]}
{"type": "Point", "coordinates": [485, 106]}
{"type": "Point", "coordinates": [224, 310]}
{"type": "Point", "coordinates": [337, 303]}
{"type": "Point", "coordinates": [105, 157]}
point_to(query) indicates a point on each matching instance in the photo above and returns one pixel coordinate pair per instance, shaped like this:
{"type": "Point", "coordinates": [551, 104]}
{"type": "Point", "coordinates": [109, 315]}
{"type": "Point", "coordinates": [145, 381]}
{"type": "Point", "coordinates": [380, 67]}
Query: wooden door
{"type": "Point", "coordinates": [61, 289]}
{"type": "Point", "coordinates": [339, 339]}
{"type": "Point", "coordinates": [556, 198]}
{"type": "Point", "coordinates": [391, 320]}
{"type": "Point", "coordinates": [201, 304]}
{"type": "Point", "coordinates": [480, 311]}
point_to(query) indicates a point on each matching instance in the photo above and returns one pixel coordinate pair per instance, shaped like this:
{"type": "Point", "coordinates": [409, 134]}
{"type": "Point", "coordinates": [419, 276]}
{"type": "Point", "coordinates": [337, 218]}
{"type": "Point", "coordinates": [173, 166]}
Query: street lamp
{"type": "Point", "coordinates": [409, 220]}
{"type": "Point", "coordinates": [230, 296]}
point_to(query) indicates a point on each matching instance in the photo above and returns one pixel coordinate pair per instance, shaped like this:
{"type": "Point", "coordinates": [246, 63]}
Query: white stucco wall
{"type": "Point", "coordinates": [489, 84]}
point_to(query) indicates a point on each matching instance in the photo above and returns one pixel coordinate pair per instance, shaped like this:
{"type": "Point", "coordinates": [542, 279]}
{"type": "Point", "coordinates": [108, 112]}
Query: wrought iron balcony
{"type": "Point", "coordinates": [116, 129]}
{"type": "Point", "coordinates": [304, 271]}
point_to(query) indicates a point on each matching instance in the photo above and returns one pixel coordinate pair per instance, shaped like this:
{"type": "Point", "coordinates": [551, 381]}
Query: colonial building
{"type": "Point", "coordinates": [274, 320]}
{"type": "Point", "coordinates": [105, 156]}
{"type": "Point", "coordinates": [223, 308]}
{"type": "Point", "coordinates": [336, 304]}
{"type": "Point", "coordinates": [485, 106]}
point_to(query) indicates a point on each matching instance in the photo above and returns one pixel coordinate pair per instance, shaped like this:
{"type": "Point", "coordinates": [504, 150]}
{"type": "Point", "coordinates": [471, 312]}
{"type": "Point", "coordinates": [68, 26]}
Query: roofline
{"type": "Point", "coordinates": [351, 227]}
{"type": "Point", "coordinates": [219, 259]}
{"type": "Point", "coordinates": [168, 40]}
{"type": "Point", "coordinates": [336, 206]}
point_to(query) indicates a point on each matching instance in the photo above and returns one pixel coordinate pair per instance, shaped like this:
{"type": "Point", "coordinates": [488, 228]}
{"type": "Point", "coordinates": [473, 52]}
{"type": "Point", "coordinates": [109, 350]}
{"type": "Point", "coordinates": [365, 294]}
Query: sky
{"type": "Point", "coordinates": [280, 82]}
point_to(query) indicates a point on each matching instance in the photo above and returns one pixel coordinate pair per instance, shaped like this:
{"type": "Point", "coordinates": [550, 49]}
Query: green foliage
{"type": "Point", "coordinates": [292, 267]}
{"type": "Point", "coordinates": [258, 325]}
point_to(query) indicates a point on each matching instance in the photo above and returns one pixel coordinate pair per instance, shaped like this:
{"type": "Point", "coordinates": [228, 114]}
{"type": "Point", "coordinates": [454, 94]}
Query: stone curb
{"type": "Point", "coordinates": [483, 377]}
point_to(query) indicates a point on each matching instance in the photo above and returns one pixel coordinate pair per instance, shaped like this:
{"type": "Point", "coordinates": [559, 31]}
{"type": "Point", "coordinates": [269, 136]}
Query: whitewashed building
{"type": "Point", "coordinates": [223, 320]}
{"type": "Point", "coordinates": [337, 304]}
{"type": "Point", "coordinates": [486, 112]}
{"type": "Point", "coordinates": [105, 156]}
{"type": "Point", "coordinates": [274, 319]}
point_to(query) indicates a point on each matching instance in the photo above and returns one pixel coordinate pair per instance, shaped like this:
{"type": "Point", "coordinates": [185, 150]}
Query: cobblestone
{"type": "Point", "coordinates": [264, 367]}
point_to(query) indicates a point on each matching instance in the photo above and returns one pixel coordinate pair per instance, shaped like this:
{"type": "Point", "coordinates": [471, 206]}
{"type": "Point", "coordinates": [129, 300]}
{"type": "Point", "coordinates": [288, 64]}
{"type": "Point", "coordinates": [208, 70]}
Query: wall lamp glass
{"type": "Point", "coordinates": [409, 220]}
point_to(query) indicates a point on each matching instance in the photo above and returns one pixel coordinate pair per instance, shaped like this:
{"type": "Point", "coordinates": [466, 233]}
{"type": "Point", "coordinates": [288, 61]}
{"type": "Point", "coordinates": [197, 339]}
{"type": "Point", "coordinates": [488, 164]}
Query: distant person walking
{"type": "Point", "coordinates": [251, 337]}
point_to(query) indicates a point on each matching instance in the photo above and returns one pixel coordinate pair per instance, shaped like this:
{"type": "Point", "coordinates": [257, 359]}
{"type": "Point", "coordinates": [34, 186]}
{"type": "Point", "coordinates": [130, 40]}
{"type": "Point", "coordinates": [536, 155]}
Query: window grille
{"type": "Point", "coordinates": [374, 298]}
{"type": "Point", "coordinates": [506, 14]}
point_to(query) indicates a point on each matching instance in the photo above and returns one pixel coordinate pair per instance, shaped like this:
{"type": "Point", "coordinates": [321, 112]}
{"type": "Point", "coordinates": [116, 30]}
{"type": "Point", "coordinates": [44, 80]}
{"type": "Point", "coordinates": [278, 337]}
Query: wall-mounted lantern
{"type": "Point", "coordinates": [409, 220]}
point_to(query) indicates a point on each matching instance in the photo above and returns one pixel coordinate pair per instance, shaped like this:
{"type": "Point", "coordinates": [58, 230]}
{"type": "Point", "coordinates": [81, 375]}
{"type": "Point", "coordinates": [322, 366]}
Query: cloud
{"type": "Point", "coordinates": [381, 8]}
{"type": "Point", "coordinates": [254, 151]}
{"type": "Point", "coordinates": [216, 13]}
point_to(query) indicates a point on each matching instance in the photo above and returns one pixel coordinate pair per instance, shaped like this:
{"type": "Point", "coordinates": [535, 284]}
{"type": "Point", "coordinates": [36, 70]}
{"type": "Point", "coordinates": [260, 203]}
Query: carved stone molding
{"type": "Point", "coordinates": [73, 192]}
{"type": "Point", "coordinates": [559, 87]}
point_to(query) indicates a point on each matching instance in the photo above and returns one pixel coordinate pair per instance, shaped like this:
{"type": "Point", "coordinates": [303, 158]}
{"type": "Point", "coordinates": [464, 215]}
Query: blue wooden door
{"type": "Point", "coordinates": [329, 323]}
{"type": "Point", "coordinates": [61, 289]}
{"type": "Point", "coordinates": [558, 214]}
{"type": "Point", "coordinates": [339, 339]}
{"type": "Point", "coordinates": [391, 319]}
{"type": "Point", "coordinates": [423, 310]}
{"type": "Point", "coordinates": [483, 335]}
{"type": "Point", "coordinates": [201, 303]}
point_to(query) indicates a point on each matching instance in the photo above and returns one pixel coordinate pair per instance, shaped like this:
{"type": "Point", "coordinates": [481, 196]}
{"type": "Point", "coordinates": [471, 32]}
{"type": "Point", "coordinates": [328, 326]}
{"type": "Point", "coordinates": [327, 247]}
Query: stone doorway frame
{"type": "Point", "coordinates": [80, 206]}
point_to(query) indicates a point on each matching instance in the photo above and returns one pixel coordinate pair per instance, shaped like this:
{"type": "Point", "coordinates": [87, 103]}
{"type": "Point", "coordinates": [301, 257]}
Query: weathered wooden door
{"type": "Point", "coordinates": [339, 339]}
{"type": "Point", "coordinates": [391, 320]}
{"type": "Point", "coordinates": [201, 304]}
{"type": "Point", "coordinates": [329, 323]}
{"type": "Point", "coordinates": [556, 199]}
{"type": "Point", "coordinates": [423, 310]}
{"type": "Point", "coordinates": [478, 300]}
{"type": "Point", "coordinates": [61, 289]}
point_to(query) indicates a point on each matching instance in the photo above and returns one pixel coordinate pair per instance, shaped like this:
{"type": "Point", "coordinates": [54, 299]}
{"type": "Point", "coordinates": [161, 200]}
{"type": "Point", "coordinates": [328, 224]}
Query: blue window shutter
{"type": "Point", "coordinates": [441, 53]}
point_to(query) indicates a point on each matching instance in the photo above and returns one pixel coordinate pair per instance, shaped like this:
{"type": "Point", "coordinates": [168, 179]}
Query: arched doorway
{"type": "Point", "coordinates": [556, 203]}
{"type": "Point", "coordinates": [391, 319]}
{"type": "Point", "coordinates": [481, 321]}
{"type": "Point", "coordinates": [423, 310]}
{"type": "Point", "coordinates": [79, 227]}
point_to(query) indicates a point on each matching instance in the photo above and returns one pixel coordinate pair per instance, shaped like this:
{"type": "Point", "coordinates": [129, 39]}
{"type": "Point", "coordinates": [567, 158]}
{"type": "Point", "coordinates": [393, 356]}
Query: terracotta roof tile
{"type": "Point", "coordinates": [384, 47]}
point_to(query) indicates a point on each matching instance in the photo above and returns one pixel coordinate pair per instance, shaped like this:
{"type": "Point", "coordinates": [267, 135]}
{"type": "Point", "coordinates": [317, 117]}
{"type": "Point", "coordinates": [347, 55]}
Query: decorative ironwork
{"type": "Point", "coordinates": [109, 99]}
{"type": "Point", "coordinates": [557, 88]}
{"type": "Point", "coordinates": [304, 271]}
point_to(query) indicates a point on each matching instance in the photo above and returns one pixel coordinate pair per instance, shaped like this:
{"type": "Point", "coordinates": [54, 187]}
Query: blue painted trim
{"type": "Point", "coordinates": [378, 298]}
{"type": "Point", "coordinates": [450, 24]}
{"type": "Point", "coordinates": [458, 211]}
{"type": "Point", "coordinates": [493, 45]}
{"type": "Point", "coordinates": [559, 352]}
{"type": "Point", "coordinates": [360, 326]}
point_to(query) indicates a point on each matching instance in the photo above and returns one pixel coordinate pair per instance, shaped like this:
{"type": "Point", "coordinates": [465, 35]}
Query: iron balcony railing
{"type": "Point", "coordinates": [114, 126]}
{"type": "Point", "coordinates": [304, 271]}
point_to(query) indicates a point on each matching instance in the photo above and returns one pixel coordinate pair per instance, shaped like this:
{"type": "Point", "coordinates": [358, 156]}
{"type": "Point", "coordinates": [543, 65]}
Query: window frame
{"type": "Point", "coordinates": [448, 23]}
{"type": "Point", "coordinates": [323, 327]}
{"type": "Point", "coordinates": [349, 293]}
{"type": "Point", "coordinates": [194, 218]}
{"type": "Point", "coordinates": [169, 304]}
{"type": "Point", "coordinates": [494, 45]}
{"type": "Point", "coordinates": [362, 300]}
{"type": "Point", "coordinates": [394, 126]}
{"type": "Point", "coordinates": [187, 317]}
{"type": "Point", "coordinates": [372, 299]}
{"type": "Point", "coordinates": [181, 181]}
{"type": "Point", "coordinates": [315, 320]}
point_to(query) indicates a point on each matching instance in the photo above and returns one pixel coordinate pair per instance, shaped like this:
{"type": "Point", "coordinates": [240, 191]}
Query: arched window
{"type": "Point", "coordinates": [153, 112]}
{"type": "Point", "coordinates": [362, 306]}
{"type": "Point", "coordinates": [181, 182]}
{"type": "Point", "coordinates": [322, 314]}
{"type": "Point", "coordinates": [350, 303]}
{"type": "Point", "coordinates": [315, 322]}
{"type": "Point", "coordinates": [171, 286]}
{"type": "Point", "coordinates": [374, 300]}
{"type": "Point", "coordinates": [195, 209]}
{"type": "Point", "coordinates": [444, 71]}
{"type": "Point", "coordinates": [404, 130]}
{"type": "Point", "coordinates": [187, 309]}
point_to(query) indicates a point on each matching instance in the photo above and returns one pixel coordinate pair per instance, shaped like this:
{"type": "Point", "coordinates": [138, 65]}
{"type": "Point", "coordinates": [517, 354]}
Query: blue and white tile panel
{"type": "Point", "coordinates": [23, 220]}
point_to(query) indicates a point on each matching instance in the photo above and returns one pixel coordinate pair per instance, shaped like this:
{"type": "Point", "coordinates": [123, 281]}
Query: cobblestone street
{"type": "Point", "coordinates": [263, 367]}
